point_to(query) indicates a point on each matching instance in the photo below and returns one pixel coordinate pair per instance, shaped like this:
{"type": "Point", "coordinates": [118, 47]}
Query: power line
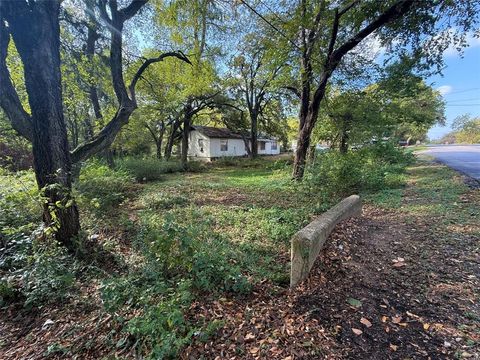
{"type": "Point", "coordinates": [476, 98]}
{"type": "Point", "coordinates": [463, 104]}
{"type": "Point", "coordinates": [269, 23]}
{"type": "Point", "coordinates": [462, 91]}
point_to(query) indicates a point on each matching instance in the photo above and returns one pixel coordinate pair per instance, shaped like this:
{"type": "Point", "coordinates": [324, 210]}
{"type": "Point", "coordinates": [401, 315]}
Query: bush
{"type": "Point", "coordinates": [178, 261]}
{"type": "Point", "coordinates": [162, 201]}
{"type": "Point", "coordinates": [371, 168]}
{"type": "Point", "coordinates": [193, 251]}
{"type": "Point", "coordinates": [101, 187]}
{"type": "Point", "coordinates": [149, 169]}
{"type": "Point", "coordinates": [49, 276]}
{"type": "Point", "coordinates": [20, 202]}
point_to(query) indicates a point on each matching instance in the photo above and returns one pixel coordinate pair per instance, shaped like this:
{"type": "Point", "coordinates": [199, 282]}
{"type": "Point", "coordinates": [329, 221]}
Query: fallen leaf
{"type": "Point", "coordinates": [412, 315]}
{"type": "Point", "coordinates": [365, 322]}
{"type": "Point", "coordinates": [396, 319]}
{"type": "Point", "coordinates": [384, 318]}
{"type": "Point", "coordinates": [357, 331]}
{"type": "Point", "coordinates": [426, 326]}
{"type": "Point", "coordinates": [354, 302]}
{"type": "Point", "coordinates": [393, 347]}
{"type": "Point", "coordinates": [254, 350]}
{"type": "Point", "coordinates": [399, 264]}
{"type": "Point", "coordinates": [249, 337]}
{"type": "Point", "coordinates": [403, 324]}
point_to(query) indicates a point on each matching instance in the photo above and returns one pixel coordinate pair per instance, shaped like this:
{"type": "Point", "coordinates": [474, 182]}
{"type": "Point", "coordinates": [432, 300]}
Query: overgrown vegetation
{"type": "Point", "coordinates": [214, 233]}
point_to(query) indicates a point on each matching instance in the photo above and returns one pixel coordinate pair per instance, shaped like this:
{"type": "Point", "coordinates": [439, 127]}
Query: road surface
{"type": "Point", "coordinates": [464, 158]}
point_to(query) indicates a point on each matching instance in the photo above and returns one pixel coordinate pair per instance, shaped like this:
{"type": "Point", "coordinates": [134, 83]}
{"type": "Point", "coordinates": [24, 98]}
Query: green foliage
{"type": "Point", "coordinates": [368, 169]}
{"type": "Point", "coordinates": [466, 130]}
{"type": "Point", "coordinates": [162, 201]}
{"type": "Point", "coordinates": [179, 259]}
{"type": "Point", "coordinates": [100, 188]}
{"type": "Point", "coordinates": [20, 201]}
{"type": "Point", "coordinates": [149, 169]}
{"type": "Point", "coordinates": [49, 276]}
{"type": "Point", "coordinates": [193, 250]}
{"type": "Point", "coordinates": [162, 328]}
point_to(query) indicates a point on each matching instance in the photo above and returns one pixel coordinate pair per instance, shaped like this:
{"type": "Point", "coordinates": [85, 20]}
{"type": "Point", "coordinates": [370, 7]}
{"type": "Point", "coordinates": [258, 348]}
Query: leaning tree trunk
{"type": "Point", "coordinates": [307, 121]}
{"type": "Point", "coordinates": [39, 51]}
{"type": "Point", "coordinates": [301, 151]}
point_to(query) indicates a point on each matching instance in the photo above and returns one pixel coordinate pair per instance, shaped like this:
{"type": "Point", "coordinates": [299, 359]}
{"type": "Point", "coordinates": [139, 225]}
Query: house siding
{"type": "Point", "coordinates": [212, 148]}
{"type": "Point", "coordinates": [194, 149]}
{"type": "Point", "coordinates": [236, 147]}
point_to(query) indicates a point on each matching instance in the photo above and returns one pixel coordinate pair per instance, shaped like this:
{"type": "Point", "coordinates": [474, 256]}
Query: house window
{"type": "Point", "coordinates": [223, 145]}
{"type": "Point", "coordinates": [200, 144]}
{"type": "Point", "coordinates": [261, 145]}
{"type": "Point", "coordinates": [274, 145]}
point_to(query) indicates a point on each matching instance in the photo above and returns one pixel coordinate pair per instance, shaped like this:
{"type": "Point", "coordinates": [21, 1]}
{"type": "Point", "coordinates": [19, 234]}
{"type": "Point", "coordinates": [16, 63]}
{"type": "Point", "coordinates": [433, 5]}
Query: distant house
{"type": "Point", "coordinates": [209, 143]}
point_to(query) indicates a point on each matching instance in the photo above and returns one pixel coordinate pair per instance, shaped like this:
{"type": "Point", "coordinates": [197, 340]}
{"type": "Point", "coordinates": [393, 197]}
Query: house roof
{"type": "Point", "coordinates": [224, 133]}
{"type": "Point", "coordinates": [213, 132]}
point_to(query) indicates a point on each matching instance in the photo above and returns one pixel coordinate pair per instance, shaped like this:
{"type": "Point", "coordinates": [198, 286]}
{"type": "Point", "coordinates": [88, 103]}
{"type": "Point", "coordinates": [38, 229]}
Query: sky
{"type": "Point", "coordinates": [459, 85]}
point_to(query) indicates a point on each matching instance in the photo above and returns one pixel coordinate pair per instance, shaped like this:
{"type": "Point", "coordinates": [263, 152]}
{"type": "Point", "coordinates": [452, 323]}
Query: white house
{"type": "Point", "coordinates": [209, 143]}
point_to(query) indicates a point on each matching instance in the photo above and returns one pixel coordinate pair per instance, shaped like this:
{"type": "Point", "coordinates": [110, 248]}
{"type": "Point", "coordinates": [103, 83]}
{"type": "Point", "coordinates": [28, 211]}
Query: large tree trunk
{"type": "Point", "coordinates": [254, 134]}
{"type": "Point", "coordinates": [187, 121]}
{"type": "Point", "coordinates": [301, 151]}
{"type": "Point", "coordinates": [38, 48]}
{"type": "Point", "coordinates": [171, 139]}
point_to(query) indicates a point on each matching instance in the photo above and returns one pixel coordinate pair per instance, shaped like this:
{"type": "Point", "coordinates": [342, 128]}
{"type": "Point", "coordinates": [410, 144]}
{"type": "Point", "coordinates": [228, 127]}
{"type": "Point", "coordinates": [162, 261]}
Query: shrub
{"type": "Point", "coordinates": [20, 202]}
{"type": "Point", "coordinates": [101, 187]}
{"type": "Point", "coordinates": [149, 169]}
{"type": "Point", "coordinates": [193, 251]}
{"type": "Point", "coordinates": [163, 201]}
{"type": "Point", "coordinates": [368, 169]}
{"type": "Point", "coordinates": [49, 276]}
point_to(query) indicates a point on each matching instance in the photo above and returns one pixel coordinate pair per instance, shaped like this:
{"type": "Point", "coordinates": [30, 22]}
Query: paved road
{"type": "Point", "coordinates": [464, 158]}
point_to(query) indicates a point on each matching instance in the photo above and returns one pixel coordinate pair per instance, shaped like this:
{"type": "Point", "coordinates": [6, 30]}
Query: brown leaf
{"type": "Point", "coordinates": [365, 322]}
{"type": "Point", "coordinates": [357, 331]}
{"type": "Point", "coordinates": [384, 318]}
{"type": "Point", "coordinates": [396, 319]}
{"type": "Point", "coordinates": [393, 347]}
{"type": "Point", "coordinates": [254, 350]}
{"type": "Point", "coordinates": [426, 326]}
{"type": "Point", "coordinates": [249, 337]}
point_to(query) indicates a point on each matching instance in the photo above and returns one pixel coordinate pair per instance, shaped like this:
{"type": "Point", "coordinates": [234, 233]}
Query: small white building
{"type": "Point", "coordinates": [209, 143]}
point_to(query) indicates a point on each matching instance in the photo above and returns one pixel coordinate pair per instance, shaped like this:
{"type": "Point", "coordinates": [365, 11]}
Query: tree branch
{"type": "Point", "coordinates": [178, 54]}
{"type": "Point", "coordinates": [394, 12]}
{"type": "Point", "coordinates": [132, 9]}
{"type": "Point", "coordinates": [9, 99]}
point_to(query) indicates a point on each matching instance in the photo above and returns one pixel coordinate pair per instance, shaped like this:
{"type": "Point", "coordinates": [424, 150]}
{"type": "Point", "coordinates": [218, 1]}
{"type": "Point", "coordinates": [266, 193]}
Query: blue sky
{"type": "Point", "coordinates": [460, 85]}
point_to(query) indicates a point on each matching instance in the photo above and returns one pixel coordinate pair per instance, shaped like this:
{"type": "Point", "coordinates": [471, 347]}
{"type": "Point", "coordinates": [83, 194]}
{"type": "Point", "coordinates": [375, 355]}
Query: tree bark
{"type": "Point", "coordinates": [187, 122]}
{"type": "Point", "coordinates": [171, 139]}
{"type": "Point", "coordinates": [39, 49]}
{"type": "Point", "coordinates": [254, 134]}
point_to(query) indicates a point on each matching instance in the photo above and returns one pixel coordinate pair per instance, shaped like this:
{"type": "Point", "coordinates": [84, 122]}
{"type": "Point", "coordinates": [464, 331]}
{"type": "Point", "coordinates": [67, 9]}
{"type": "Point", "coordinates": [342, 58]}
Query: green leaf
{"type": "Point", "coordinates": [354, 302]}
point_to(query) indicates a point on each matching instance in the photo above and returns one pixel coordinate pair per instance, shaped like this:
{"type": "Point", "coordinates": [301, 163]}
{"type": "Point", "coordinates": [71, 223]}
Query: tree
{"type": "Point", "coordinates": [255, 71]}
{"type": "Point", "coordinates": [466, 129]}
{"type": "Point", "coordinates": [357, 117]}
{"type": "Point", "coordinates": [39, 50]}
{"type": "Point", "coordinates": [329, 31]}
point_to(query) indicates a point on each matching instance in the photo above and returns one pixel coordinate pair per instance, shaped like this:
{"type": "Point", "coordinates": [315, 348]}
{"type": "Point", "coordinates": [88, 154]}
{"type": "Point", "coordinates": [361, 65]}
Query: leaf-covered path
{"type": "Point", "coordinates": [400, 282]}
